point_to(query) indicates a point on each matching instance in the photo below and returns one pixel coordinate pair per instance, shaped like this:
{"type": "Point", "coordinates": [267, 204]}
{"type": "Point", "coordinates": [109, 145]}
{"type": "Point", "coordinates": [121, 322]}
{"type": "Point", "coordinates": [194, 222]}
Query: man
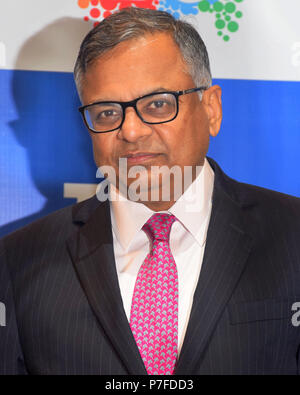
{"type": "Point", "coordinates": [203, 282]}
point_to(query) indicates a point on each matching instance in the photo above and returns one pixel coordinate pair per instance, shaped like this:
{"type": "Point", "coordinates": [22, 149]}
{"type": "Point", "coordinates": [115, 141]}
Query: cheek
{"type": "Point", "coordinates": [103, 149]}
{"type": "Point", "coordinates": [188, 140]}
{"type": "Point", "coordinates": [198, 142]}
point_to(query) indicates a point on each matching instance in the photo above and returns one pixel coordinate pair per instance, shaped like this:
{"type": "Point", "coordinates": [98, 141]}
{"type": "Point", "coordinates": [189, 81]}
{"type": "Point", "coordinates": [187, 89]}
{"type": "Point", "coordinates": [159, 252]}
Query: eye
{"type": "Point", "coordinates": [107, 114]}
{"type": "Point", "coordinates": [157, 104]}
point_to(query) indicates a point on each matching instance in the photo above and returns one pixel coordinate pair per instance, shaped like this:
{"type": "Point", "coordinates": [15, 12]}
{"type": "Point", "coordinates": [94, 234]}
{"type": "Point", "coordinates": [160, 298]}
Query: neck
{"type": "Point", "coordinates": [158, 206]}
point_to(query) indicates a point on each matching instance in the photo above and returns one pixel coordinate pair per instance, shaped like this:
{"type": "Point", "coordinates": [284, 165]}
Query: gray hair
{"type": "Point", "coordinates": [132, 23]}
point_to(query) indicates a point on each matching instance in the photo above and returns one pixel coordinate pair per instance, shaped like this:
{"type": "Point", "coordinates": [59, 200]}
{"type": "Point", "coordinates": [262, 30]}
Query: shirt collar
{"type": "Point", "coordinates": [192, 209]}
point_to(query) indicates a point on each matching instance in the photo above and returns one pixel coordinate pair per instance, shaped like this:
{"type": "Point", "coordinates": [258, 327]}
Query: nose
{"type": "Point", "coordinates": [133, 128]}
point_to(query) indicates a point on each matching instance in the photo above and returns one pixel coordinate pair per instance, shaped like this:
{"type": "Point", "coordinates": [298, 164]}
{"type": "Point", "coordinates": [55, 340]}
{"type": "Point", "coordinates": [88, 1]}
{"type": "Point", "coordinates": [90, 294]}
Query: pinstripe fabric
{"type": "Point", "coordinates": [64, 308]}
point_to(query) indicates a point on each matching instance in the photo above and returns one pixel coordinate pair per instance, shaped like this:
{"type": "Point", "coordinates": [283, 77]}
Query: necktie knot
{"type": "Point", "coordinates": [159, 226]}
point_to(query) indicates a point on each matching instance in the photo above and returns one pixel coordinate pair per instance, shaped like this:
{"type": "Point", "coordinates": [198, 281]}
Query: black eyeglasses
{"type": "Point", "coordinates": [154, 108]}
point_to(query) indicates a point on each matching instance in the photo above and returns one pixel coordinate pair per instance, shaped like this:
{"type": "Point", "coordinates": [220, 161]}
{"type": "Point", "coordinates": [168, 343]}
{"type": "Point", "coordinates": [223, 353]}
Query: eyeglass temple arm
{"type": "Point", "coordinates": [201, 88]}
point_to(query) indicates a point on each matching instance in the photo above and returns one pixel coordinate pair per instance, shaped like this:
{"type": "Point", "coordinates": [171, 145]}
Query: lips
{"type": "Point", "coordinates": [139, 157]}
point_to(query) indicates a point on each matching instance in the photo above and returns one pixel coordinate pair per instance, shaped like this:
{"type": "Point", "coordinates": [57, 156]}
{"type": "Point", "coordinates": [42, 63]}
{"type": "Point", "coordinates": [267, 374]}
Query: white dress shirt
{"type": "Point", "coordinates": [187, 241]}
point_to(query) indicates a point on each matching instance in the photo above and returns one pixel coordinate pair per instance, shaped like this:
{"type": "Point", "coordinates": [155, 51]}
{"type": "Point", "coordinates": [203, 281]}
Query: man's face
{"type": "Point", "coordinates": [135, 68]}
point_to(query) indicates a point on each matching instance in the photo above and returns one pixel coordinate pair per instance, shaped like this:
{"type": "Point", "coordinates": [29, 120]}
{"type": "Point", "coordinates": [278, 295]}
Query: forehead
{"type": "Point", "coordinates": [136, 67]}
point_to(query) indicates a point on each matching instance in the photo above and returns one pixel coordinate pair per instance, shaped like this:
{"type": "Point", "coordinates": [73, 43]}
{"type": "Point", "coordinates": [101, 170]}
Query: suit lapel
{"type": "Point", "coordinates": [226, 252]}
{"type": "Point", "coordinates": [227, 248]}
{"type": "Point", "coordinates": [92, 253]}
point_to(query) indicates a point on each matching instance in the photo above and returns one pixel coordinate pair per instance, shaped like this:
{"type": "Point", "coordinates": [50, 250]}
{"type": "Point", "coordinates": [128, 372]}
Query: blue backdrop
{"type": "Point", "coordinates": [44, 143]}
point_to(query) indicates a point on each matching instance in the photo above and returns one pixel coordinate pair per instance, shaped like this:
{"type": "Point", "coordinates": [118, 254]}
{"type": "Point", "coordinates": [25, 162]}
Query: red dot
{"type": "Point", "coordinates": [96, 23]}
{"type": "Point", "coordinates": [109, 4]}
{"type": "Point", "coordinates": [94, 2]}
{"type": "Point", "coordinates": [106, 14]}
{"type": "Point", "coordinates": [95, 13]}
{"type": "Point", "coordinates": [125, 4]}
{"type": "Point", "coordinates": [86, 18]}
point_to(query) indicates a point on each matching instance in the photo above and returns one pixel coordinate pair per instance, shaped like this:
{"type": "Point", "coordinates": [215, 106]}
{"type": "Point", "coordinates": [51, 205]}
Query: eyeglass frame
{"type": "Point", "coordinates": [132, 103]}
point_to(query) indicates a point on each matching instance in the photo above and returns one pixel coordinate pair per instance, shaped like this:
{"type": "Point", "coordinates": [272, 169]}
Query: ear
{"type": "Point", "coordinates": [213, 106]}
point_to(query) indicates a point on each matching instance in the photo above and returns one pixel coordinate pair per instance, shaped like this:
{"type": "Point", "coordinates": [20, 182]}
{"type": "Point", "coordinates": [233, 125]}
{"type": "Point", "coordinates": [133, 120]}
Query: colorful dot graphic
{"type": "Point", "coordinates": [226, 12]}
{"type": "Point", "coordinates": [99, 9]}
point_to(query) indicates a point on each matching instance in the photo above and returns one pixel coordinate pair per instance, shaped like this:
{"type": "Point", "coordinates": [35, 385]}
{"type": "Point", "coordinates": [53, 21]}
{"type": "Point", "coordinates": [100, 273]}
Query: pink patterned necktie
{"type": "Point", "coordinates": [154, 309]}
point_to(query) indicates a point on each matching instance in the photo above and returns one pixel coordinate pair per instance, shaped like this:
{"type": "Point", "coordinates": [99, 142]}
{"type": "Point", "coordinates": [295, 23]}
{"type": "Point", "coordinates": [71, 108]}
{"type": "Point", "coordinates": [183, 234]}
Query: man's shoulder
{"type": "Point", "coordinates": [246, 194]}
{"type": "Point", "coordinates": [57, 226]}
{"type": "Point", "coordinates": [267, 196]}
{"type": "Point", "coordinates": [274, 212]}
{"type": "Point", "coordinates": [267, 209]}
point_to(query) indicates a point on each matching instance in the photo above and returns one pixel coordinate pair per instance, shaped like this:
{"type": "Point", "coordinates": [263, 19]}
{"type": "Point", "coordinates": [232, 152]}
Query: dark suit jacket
{"type": "Point", "coordinates": [64, 307]}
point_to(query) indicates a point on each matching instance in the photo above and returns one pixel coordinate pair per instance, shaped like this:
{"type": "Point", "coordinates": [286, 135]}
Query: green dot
{"type": "Point", "coordinates": [228, 18]}
{"type": "Point", "coordinates": [220, 24]}
{"type": "Point", "coordinates": [226, 38]}
{"type": "Point", "coordinates": [233, 27]}
{"type": "Point", "coordinates": [218, 16]}
{"type": "Point", "coordinates": [238, 14]}
{"type": "Point", "coordinates": [238, 1]}
{"type": "Point", "coordinates": [220, 33]}
{"type": "Point", "coordinates": [211, 10]}
{"type": "Point", "coordinates": [218, 6]}
{"type": "Point", "coordinates": [230, 7]}
{"type": "Point", "coordinates": [204, 5]}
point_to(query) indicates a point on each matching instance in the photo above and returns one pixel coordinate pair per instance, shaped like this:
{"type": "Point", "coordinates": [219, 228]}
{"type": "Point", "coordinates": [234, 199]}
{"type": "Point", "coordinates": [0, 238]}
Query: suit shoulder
{"type": "Point", "coordinates": [57, 225]}
{"type": "Point", "coordinates": [271, 209]}
{"type": "Point", "coordinates": [248, 195]}
{"type": "Point", "coordinates": [268, 196]}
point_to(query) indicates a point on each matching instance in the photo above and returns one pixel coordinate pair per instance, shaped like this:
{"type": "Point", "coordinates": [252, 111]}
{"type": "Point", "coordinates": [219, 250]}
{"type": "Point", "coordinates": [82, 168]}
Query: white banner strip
{"type": "Point", "coordinates": [246, 39]}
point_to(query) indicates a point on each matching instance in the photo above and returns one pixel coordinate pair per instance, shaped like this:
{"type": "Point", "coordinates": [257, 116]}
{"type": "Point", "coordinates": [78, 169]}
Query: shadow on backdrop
{"type": "Point", "coordinates": [49, 126]}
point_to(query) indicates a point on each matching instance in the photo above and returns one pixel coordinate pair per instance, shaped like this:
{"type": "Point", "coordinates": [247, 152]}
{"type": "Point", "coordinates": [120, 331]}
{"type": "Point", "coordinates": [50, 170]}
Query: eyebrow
{"type": "Point", "coordinates": [148, 92]}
